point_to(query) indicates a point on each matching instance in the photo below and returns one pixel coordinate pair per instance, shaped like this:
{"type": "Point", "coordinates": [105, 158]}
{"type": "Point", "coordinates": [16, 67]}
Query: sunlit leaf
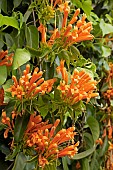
{"type": "Point", "coordinates": [106, 28]}
{"type": "Point", "coordinates": [21, 57]}
{"type": "Point", "coordinates": [84, 154]}
{"type": "Point", "coordinates": [3, 74]}
{"type": "Point", "coordinates": [106, 51]}
{"type": "Point", "coordinates": [9, 21]}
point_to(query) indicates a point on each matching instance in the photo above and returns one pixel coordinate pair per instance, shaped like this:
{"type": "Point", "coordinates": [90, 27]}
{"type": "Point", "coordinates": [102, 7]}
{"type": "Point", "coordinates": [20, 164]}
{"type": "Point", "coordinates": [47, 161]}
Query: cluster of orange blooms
{"type": "Point", "coordinates": [49, 146]}
{"type": "Point", "coordinates": [81, 85]}
{"type": "Point", "coordinates": [8, 122]}
{"type": "Point", "coordinates": [108, 130]}
{"type": "Point", "coordinates": [5, 59]}
{"type": "Point", "coordinates": [69, 33]}
{"type": "Point", "coordinates": [29, 85]}
{"type": "Point", "coordinates": [109, 93]}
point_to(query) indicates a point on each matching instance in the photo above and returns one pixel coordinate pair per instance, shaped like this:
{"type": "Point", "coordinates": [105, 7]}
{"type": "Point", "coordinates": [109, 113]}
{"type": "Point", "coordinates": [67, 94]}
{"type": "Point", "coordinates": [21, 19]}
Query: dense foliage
{"type": "Point", "coordinates": [56, 84]}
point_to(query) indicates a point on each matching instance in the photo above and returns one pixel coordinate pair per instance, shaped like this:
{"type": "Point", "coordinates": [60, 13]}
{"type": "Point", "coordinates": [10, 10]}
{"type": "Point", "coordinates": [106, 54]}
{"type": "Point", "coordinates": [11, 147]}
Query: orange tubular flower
{"type": "Point", "coordinates": [72, 34]}
{"type": "Point", "coordinates": [1, 96]}
{"type": "Point", "coordinates": [5, 59]}
{"type": "Point", "coordinates": [6, 120]}
{"type": "Point", "coordinates": [81, 86]}
{"type": "Point", "coordinates": [42, 30]}
{"type": "Point", "coordinates": [41, 136]}
{"type": "Point", "coordinates": [29, 85]}
{"type": "Point", "coordinates": [56, 2]}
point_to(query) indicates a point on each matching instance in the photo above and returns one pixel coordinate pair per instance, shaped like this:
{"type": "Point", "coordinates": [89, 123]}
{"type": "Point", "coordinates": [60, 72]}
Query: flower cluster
{"type": "Point", "coordinates": [8, 122]}
{"type": "Point", "coordinates": [81, 85]}
{"type": "Point", "coordinates": [5, 59]}
{"type": "Point", "coordinates": [29, 85]}
{"type": "Point", "coordinates": [1, 96]}
{"type": "Point", "coordinates": [109, 162]}
{"type": "Point", "coordinates": [48, 145]}
{"type": "Point", "coordinates": [71, 33]}
{"type": "Point", "coordinates": [109, 93]}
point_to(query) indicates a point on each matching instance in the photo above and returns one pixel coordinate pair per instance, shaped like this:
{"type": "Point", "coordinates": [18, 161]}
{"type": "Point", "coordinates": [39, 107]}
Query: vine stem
{"type": "Point", "coordinates": [34, 20]}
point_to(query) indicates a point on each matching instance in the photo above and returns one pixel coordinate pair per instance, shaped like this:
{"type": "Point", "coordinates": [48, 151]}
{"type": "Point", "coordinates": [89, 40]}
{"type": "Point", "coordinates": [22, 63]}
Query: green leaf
{"type": "Point", "coordinates": [43, 110]}
{"type": "Point", "coordinates": [106, 28]}
{"type": "Point", "coordinates": [20, 162]}
{"type": "Point", "coordinates": [49, 70]}
{"type": "Point", "coordinates": [94, 127]}
{"type": "Point", "coordinates": [16, 3]}
{"type": "Point", "coordinates": [26, 15]}
{"type": "Point", "coordinates": [3, 74]}
{"type": "Point", "coordinates": [104, 147]}
{"type": "Point", "coordinates": [86, 5]}
{"type": "Point", "coordinates": [11, 156]}
{"type": "Point", "coordinates": [104, 87]}
{"type": "Point", "coordinates": [21, 57]}
{"type": "Point", "coordinates": [33, 51]}
{"type": "Point", "coordinates": [9, 40]}
{"type": "Point", "coordinates": [9, 21]}
{"type": "Point", "coordinates": [85, 164]}
{"type": "Point", "coordinates": [51, 166]}
{"type": "Point", "coordinates": [106, 51]}
{"type": "Point", "coordinates": [4, 149]}
{"type": "Point", "coordinates": [1, 41]}
{"type": "Point", "coordinates": [45, 52]}
{"type": "Point", "coordinates": [20, 126]}
{"type": "Point", "coordinates": [32, 36]}
{"type": "Point", "coordinates": [94, 162]}
{"type": "Point", "coordinates": [7, 86]}
{"type": "Point", "coordinates": [84, 154]}
{"type": "Point", "coordinates": [74, 52]}
{"type": "Point", "coordinates": [3, 5]}
{"type": "Point", "coordinates": [110, 19]}
{"type": "Point", "coordinates": [64, 55]}
{"type": "Point", "coordinates": [64, 162]}
{"type": "Point", "coordinates": [88, 140]}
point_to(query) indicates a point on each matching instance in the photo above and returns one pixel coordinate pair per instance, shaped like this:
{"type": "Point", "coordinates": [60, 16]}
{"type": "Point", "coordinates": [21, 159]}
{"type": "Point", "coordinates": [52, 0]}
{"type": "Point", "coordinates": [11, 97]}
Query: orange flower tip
{"type": "Point", "coordinates": [27, 66]}
{"type": "Point", "coordinates": [77, 144]}
{"type": "Point", "coordinates": [13, 77]}
{"type": "Point", "coordinates": [78, 10]}
{"type": "Point", "coordinates": [57, 122]}
{"type": "Point", "coordinates": [46, 143]}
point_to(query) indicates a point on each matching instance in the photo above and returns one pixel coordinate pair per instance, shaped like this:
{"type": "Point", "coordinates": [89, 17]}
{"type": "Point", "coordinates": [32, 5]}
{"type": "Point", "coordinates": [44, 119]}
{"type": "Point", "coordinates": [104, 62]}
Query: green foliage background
{"type": "Point", "coordinates": [19, 34]}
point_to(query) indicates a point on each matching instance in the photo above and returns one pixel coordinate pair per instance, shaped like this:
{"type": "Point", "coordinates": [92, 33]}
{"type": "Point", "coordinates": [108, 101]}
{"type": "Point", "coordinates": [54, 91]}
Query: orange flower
{"type": "Point", "coordinates": [41, 136]}
{"type": "Point", "coordinates": [1, 96]}
{"type": "Point", "coordinates": [108, 94]}
{"type": "Point", "coordinates": [99, 141]}
{"type": "Point", "coordinates": [42, 30]}
{"type": "Point", "coordinates": [56, 2]}
{"type": "Point", "coordinates": [6, 120]}
{"type": "Point", "coordinates": [81, 85]}
{"type": "Point", "coordinates": [5, 59]}
{"type": "Point", "coordinates": [63, 71]}
{"type": "Point", "coordinates": [29, 85]}
{"type": "Point", "coordinates": [110, 146]}
{"type": "Point", "coordinates": [78, 166]}
{"type": "Point", "coordinates": [70, 35]}
{"type": "Point", "coordinates": [110, 75]}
